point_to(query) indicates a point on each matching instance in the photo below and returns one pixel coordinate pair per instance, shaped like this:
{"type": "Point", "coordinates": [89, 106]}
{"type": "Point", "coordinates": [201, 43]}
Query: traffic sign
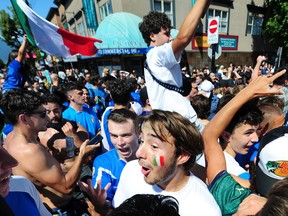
{"type": "Point", "coordinates": [218, 51]}
{"type": "Point", "coordinates": [213, 26]}
{"type": "Point", "coordinates": [213, 33]}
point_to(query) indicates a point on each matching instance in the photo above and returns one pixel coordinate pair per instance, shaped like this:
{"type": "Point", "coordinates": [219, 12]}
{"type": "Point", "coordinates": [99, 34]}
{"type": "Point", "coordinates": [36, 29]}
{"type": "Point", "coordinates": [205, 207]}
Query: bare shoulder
{"type": "Point", "coordinates": [45, 136]}
{"type": "Point", "coordinates": [31, 156]}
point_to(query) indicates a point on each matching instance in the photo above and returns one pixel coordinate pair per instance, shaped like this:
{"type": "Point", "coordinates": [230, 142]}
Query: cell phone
{"type": "Point", "coordinates": [96, 139]}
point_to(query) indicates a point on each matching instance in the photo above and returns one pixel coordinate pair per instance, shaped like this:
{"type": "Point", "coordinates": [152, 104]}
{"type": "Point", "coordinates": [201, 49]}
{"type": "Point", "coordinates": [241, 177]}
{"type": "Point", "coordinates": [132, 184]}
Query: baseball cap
{"type": "Point", "coordinates": [206, 87]}
{"type": "Point", "coordinates": [272, 159]}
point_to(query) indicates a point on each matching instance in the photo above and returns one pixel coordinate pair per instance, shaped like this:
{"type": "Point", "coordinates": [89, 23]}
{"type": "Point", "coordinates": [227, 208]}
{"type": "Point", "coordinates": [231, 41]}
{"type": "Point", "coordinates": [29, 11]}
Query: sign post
{"type": "Point", "coordinates": [213, 38]}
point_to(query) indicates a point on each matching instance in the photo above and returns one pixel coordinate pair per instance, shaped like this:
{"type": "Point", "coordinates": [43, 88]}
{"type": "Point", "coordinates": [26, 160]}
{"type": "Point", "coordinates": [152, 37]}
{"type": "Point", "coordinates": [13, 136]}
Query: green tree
{"type": "Point", "coordinates": [276, 26]}
{"type": "Point", "coordinates": [10, 28]}
{"type": "Point", "coordinates": [2, 64]}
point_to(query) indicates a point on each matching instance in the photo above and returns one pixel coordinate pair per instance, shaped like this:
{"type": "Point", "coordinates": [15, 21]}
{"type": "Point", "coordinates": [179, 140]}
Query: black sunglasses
{"type": "Point", "coordinates": [42, 114]}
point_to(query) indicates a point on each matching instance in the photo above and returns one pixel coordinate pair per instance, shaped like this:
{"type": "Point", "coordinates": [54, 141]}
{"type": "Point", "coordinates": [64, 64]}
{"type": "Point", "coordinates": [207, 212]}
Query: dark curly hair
{"type": "Point", "coordinates": [152, 23]}
{"type": "Point", "coordinates": [19, 101]}
{"type": "Point", "coordinates": [249, 113]}
{"type": "Point", "coordinates": [120, 90]}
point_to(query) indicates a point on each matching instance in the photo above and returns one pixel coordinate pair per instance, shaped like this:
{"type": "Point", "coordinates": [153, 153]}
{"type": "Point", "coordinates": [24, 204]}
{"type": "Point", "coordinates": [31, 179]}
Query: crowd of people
{"type": "Point", "coordinates": [172, 142]}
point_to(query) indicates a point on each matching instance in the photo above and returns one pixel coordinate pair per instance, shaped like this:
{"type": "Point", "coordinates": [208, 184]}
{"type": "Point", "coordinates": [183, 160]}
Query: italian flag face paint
{"type": "Point", "coordinates": [158, 160]}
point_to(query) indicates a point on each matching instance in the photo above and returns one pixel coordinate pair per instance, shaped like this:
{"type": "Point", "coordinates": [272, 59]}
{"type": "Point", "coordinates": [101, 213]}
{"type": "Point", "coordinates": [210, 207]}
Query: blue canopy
{"type": "Point", "coordinates": [120, 35]}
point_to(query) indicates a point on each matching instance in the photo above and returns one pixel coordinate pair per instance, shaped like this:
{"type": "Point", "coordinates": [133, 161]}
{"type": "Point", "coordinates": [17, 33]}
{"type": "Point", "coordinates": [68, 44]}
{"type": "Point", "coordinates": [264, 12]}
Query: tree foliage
{"type": "Point", "coordinates": [276, 27]}
{"type": "Point", "coordinates": [10, 28]}
{"type": "Point", "coordinates": [2, 64]}
{"type": "Point", "coordinates": [12, 32]}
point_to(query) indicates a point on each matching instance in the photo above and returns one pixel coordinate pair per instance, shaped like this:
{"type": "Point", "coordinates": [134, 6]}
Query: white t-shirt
{"type": "Point", "coordinates": [232, 165]}
{"type": "Point", "coordinates": [166, 68]}
{"type": "Point", "coordinates": [21, 192]}
{"type": "Point", "coordinates": [194, 198]}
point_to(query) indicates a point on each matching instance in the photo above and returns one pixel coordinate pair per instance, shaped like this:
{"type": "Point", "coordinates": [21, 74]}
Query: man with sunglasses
{"type": "Point", "coordinates": [25, 111]}
{"type": "Point", "coordinates": [164, 56]}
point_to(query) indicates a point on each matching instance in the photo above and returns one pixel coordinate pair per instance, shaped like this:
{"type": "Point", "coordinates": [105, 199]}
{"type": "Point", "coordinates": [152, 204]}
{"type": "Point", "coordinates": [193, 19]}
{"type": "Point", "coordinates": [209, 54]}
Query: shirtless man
{"type": "Point", "coordinates": [57, 130]}
{"type": "Point", "coordinates": [26, 112]}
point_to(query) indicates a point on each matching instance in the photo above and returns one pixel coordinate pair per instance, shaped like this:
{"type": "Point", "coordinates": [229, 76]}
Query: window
{"type": "Point", "coordinates": [81, 28]}
{"type": "Point", "coordinates": [105, 10]}
{"type": "Point", "coordinates": [165, 6]}
{"type": "Point", "coordinates": [223, 19]}
{"type": "Point", "coordinates": [254, 24]}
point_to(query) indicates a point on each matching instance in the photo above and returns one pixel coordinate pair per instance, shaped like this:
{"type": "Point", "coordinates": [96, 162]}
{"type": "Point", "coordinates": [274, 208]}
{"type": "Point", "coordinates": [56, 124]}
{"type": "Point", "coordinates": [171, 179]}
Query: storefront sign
{"type": "Point", "coordinates": [121, 51]}
{"type": "Point", "coordinates": [227, 42]}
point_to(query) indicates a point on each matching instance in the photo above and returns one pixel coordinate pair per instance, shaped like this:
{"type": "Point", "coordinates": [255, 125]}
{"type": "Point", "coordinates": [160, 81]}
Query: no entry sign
{"type": "Point", "coordinates": [213, 26]}
{"type": "Point", "coordinates": [213, 34]}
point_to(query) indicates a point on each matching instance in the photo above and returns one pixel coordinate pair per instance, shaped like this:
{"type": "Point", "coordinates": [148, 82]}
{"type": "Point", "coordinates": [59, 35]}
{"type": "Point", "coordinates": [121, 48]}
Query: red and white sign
{"type": "Point", "coordinates": [213, 33]}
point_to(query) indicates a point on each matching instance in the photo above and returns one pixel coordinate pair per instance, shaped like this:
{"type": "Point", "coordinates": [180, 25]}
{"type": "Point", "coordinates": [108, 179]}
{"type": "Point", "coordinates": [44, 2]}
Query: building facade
{"type": "Point", "coordinates": [240, 28]}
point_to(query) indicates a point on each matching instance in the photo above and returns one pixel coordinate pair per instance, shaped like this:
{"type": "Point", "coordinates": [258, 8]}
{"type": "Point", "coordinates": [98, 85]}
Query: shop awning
{"type": "Point", "coordinates": [120, 35]}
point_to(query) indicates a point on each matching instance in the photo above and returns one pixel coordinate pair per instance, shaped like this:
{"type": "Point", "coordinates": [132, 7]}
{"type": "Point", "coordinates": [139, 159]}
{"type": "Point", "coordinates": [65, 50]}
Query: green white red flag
{"type": "Point", "coordinates": [50, 38]}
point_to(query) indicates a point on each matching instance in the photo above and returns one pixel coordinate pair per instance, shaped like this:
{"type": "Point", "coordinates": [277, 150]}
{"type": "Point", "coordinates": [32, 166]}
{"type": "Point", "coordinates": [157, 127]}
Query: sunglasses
{"type": "Point", "coordinates": [42, 114]}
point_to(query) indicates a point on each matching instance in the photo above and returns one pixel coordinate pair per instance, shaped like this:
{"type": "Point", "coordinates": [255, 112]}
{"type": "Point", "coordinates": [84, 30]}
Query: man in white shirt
{"type": "Point", "coordinates": [169, 144]}
{"type": "Point", "coordinates": [163, 59]}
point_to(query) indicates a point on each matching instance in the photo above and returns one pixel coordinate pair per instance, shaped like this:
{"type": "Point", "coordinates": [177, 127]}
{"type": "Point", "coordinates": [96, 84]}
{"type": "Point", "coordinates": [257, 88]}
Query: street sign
{"type": "Point", "coordinates": [218, 51]}
{"type": "Point", "coordinates": [213, 33]}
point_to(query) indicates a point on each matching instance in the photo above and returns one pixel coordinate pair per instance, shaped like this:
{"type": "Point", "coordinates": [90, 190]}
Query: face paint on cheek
{"type": "Point", "coordinates": [158, 160]}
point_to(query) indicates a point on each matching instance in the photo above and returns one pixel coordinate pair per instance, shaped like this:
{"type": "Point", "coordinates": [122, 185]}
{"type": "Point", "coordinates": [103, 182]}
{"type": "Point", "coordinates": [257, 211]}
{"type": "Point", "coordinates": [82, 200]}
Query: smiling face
{"type": "Point", "coordinates": [242, 138]}
{"type": "Point", "coordinates": [156, 157]}
{"type": "Point", "coordinates": [7, 162]}
{"type": "Point", "coordinates": [124, 138]}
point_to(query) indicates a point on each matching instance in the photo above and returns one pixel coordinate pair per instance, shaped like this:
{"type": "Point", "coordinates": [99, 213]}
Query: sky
{"type": "Point", "coordinates": [41, 7]}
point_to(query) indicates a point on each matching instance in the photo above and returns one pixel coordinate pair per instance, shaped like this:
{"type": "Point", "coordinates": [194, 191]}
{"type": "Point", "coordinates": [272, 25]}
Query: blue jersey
{"type": "Point", "coordinates": [23, 198]}
{"type": "Point", "coordinates": [108, 167]}
{"type": "Point", "coordinates": [107, 144]}
{"type": "Point", "coordinates": [15, 78]}
{"type": "Point", "coordinates": [87, 118]}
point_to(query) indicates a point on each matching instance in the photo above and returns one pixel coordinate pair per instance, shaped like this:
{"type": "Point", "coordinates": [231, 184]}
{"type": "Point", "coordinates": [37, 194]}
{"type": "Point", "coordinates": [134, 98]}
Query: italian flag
{"type": "Point", "coordinates": [50, 38]}
{"type": "Point", "coordinates": [158, 160]}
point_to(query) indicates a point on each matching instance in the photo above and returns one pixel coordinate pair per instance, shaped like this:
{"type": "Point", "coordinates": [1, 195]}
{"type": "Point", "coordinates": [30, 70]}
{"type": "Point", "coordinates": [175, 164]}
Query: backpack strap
{"type": "Point", "coordinates": [165, 85]}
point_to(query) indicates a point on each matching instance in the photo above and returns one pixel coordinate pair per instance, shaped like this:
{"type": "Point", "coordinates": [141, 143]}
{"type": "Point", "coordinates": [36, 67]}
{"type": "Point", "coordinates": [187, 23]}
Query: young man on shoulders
{"type": "Point", "coordinates": [164, 56]}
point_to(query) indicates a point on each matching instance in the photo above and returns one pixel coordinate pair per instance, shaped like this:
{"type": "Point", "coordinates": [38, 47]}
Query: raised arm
{"type": "Point", "coordinates": [22, 50]}
{"type": "Point", "coordinates": [47, 171]}
{"type": "Point", "coordinates": [189, 26]}
{"type": "Point", "coordinates": [215, 160]}
{"type": "Point", "coordinates": [79, 136]}
{"type": "Point", "coordinates": [256, 69]}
